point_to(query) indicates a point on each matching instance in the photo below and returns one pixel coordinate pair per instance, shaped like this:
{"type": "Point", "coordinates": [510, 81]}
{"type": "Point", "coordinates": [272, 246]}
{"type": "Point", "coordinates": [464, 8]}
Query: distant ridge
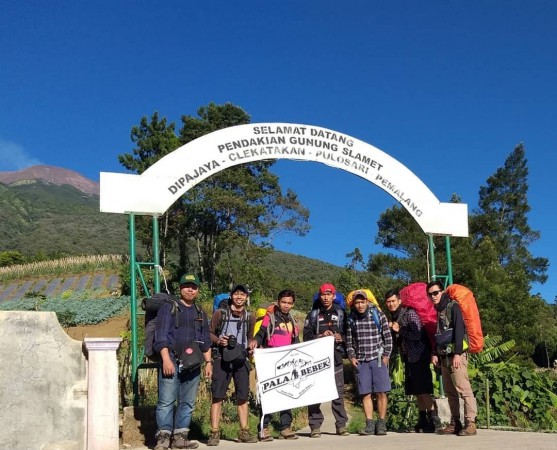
{"type": "Point", "coordinates": [53, 175]}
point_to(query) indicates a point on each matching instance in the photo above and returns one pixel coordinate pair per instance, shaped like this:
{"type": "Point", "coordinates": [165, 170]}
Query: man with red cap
{"type": "Point", "coordinates": [327, 319]}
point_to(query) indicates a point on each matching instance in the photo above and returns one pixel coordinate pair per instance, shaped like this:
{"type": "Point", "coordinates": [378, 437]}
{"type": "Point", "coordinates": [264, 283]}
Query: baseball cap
{"type": "Point", "coordinates": [360, 293]}
{"type": "Point", "coordinates": [241, 288]}
{"type": "Point", "coordinates": [189, 278]}
{"type": "Point", "coordinates": [327, 287]}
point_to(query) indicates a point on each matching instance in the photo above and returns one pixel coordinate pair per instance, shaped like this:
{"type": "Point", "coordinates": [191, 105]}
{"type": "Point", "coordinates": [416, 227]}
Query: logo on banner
{"type": "Point", "coordinates": [295, 374]}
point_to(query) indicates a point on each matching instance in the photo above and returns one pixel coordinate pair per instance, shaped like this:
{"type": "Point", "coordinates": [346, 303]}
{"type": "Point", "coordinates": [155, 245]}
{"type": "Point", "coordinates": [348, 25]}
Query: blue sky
{"type": "Point", "coordinates": [446, 87]}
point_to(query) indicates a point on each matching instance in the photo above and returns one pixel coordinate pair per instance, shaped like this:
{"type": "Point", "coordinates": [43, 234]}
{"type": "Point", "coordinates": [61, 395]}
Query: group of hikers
{"type": "Point", "coordinates": [363, 333]}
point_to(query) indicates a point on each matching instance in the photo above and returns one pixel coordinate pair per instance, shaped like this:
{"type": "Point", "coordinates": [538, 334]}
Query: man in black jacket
{"type": "Point", "coordinates": [327, 319]}
{"type": "Point", "coordinates": [451, 355]}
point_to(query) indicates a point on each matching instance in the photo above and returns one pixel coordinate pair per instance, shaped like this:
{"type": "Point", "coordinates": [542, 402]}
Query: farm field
{"type": "Point", "coordinates": [51, 287]}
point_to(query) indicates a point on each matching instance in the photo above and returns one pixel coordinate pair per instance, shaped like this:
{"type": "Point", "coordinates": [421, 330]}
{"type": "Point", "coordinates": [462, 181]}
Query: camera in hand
{"type": "Point", "coordinates": [232, 341]}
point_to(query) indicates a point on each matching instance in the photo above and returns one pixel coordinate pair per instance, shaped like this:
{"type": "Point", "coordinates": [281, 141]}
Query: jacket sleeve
{"type": "Point", "coordinates": [350, 351]}
{"type": "Point", "coordinates": [388, 347]}
{"type": "Point", "coordinates": [309, 331]}
{"type": "Point", "coordinates": [251, 326]}
{"type": "Point", "coordinates": [206, 344]}
{"type": "Point", "coordinates": [164, 331]}
{"type": "Point", "coordinates": [412, 329]}
{"type": "Point", "coordinates": [459, 328]}
{"type": "Point", "coordinates": [215, 320]}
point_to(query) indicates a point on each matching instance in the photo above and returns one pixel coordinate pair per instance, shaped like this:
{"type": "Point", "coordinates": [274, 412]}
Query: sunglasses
{"type": "Point", "coordinates": [433, 294]}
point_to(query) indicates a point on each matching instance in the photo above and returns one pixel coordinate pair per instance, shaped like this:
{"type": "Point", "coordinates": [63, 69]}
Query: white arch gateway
{"type": "Point", "coordinates": [156, 189]}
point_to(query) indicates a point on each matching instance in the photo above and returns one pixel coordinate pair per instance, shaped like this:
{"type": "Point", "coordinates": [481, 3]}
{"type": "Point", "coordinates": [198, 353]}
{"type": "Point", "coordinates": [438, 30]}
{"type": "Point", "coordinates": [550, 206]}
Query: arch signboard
{"type": "Point", "coordinates": [156, 189]}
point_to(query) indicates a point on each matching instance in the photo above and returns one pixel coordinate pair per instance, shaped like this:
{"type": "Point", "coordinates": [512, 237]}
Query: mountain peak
{"type": "Point", "coordinates": [51, 174]}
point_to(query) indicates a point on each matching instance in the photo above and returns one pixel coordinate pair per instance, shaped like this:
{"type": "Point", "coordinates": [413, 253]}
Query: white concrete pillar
{"type": "Point", "coordinates": [102, 393]}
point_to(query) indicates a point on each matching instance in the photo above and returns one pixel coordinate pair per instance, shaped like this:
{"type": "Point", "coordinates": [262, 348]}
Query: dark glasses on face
{"type": "Point", "coordinates": [433, 294]}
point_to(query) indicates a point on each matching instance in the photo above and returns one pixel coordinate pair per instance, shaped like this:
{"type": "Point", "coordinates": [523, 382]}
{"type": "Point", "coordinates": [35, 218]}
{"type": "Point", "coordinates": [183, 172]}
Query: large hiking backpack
{"type": "Point", "coordinates": [337, 300]}
{"type": "Point", "coordinates": [465, 299]}
{"type": "Point", "coordinates": [151, 306]}
{"type": "Point", "coordinates": [369, 295]}
{"type": "Point", "coordinates": [415, 296]}
{"type": "Point", "coordinates": [221, 301]}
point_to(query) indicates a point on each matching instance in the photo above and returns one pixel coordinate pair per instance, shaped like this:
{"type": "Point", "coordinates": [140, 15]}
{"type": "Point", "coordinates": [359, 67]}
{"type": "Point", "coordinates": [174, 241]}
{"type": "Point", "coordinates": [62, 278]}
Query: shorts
{"type": "Point", "coordinates": [418, 378]}
{"type": "Point", "coordinates": [223, 372]}
{"type": "Point", "coordinates": [372, 378]}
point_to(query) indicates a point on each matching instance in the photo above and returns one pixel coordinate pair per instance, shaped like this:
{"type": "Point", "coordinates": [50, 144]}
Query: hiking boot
{"type": "Point", "coordinates": [433, 421]}
{"type": "Point", "coordinates": [214, 438]}
{"type": "Point", "coordinates": [315, 433]}
{"type": "Point", "coordinates": [245, 437]}
{"type": "Point", "coordinates": [452, 428]}
{"type": "Point", "coordinates": [163, 440]}
{"type": "Point", "coordinates": [469, 429]}
{"type": "Point", "coordinates": [287, 433]}
{"type": "Point", "coordinates": [369, 429]}
{"type": "Point", "coordinates": [380, 427]}
{"type": "Point", "coordinates": [180, 439]}
{"type": "Point", "coordinates": [265, 435]}
{"type": "Point", "coordinates": [343, 431]}
{"type": "Point", "coordinates": [422, 423]}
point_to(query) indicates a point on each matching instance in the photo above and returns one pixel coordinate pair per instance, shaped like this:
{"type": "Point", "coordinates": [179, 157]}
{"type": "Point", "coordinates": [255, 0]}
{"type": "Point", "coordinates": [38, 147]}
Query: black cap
{"type": "Point", "coordinates": [239, 287]}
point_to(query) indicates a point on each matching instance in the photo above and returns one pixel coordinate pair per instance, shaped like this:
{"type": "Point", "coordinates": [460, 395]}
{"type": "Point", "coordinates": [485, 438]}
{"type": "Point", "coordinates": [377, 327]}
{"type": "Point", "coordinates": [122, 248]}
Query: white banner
{"type": "Point", "coordinates": [296, 375]}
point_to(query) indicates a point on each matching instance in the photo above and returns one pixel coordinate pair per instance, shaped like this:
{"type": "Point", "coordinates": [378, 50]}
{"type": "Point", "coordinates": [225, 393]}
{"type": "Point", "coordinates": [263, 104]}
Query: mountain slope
{"type": "Point", "coordinates": [52, 175]}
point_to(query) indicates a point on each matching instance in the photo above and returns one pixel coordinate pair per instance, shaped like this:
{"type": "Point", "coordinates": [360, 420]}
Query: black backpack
{"type": "Point", "coordinates": [151, 307]}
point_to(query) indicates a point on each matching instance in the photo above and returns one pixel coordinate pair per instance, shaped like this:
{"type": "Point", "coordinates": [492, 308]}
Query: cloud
{"type": "Point", "coordinates": [14, 157]}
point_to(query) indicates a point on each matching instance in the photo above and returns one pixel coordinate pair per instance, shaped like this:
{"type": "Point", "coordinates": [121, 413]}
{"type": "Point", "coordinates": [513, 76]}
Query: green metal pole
{"type": "Point", "coordinates": [449, 261]}
{"type": "Point", "coordinates": [133, 309]}
{"type": "Point", "coordinates": [156, 254]}
{"type": "Point", "coordinates": [432, 274]}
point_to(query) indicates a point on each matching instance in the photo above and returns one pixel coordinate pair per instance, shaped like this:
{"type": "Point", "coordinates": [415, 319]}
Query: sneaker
{"type": "Point", "coordinates": [214, 438]}
{"type": "Point", "coordinates": [369, 429]}
{"type": "Point", "coordinates": [163, 440]}
{"type": "Point", "coordinates": [265, 435]}
{"type": "Point", "coordinates": [315, 433]}
{"type": "Point", "coordinates": [454, 427]}
{"type": "Point", "coordinates": [180, 440]}
{"type": "Point", "coordinates": [380, 428]}
{"type": "Point", "coordinates": [246, 437]}
{"type": "Point", "coordinates": [287, 433]}
{"type": "Point", "coordinates": [343, 431]}
{"type": "Point", "coordinates": [469, 429]}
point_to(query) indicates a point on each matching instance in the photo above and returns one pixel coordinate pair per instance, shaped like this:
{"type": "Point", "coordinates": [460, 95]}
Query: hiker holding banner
{"type": "Point", "coordinates": [327, 319]}
{"type": "Point", "coordinates": [279, 329]}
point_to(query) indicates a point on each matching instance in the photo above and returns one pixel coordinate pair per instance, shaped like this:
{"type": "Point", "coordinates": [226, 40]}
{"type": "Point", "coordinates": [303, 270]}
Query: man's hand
{"type": "Point", "coordinates": [208, 370]}
{"type": "Point", "coordinates": [385, 360]}
{"type": "Point", "coordinates": [223, 341]}
{"type": "Point", "coordinates": [354, 362]}
{"type": "Point", "coordinates": [168, 368]}
{"type": "Point", "coordinates": [435, 360]}
{"type": "Point", "coordinates": [457, 361]}
{"type": "Point", "coordinates": [338, 337]}
{"type": "Point", "coordinates": [252, 344]}
{"type": "Point", "coordinates": [395, 326]}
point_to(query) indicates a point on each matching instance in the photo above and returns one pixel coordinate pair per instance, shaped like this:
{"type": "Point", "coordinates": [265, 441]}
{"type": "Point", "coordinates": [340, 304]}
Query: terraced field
{"type": "Point", "coordinates": [52, 287]}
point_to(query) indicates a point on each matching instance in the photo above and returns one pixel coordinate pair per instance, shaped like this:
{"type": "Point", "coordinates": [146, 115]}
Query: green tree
{"type": "Point", "coordinates": [494, 262]}
{"type": "Point", "coordinates": [239, 208]}
{"type": "Point", "coordinates": [11, 258]}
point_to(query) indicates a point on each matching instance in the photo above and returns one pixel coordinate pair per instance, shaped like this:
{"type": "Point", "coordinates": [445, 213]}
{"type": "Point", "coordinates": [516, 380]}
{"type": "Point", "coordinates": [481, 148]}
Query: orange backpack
{"type": "Point", "coordinates": [465, 299]}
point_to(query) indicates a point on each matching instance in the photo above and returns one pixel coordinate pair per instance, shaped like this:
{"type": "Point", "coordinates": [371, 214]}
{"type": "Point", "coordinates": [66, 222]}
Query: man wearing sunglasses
{"type": "Point", "coordinates": [450, 353]}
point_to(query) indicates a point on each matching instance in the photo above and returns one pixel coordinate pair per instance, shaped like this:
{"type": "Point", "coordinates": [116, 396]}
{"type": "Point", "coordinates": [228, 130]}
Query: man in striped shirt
{"type": "Point", "coordinates": [369, 345]}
